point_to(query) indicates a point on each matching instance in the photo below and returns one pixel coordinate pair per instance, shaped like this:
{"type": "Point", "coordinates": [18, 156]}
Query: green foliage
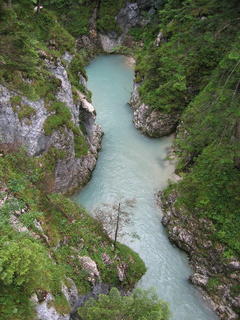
{"type": "Point", "coordinates": [107, 12]}
{"type": "Point", "coordinates": [27, 264]}
{"type": "Point", "coordinates": [208, 142]}
{"type": "Point", "coordinates": [80, 145]}
{"type": "Point", "coordinates": [75, 15]}
{"type": "Point", "coordinates": [213, 283]}
{"type": "Point", "coordinates": [24, 263]}
{"type": "Point", "coordinates": [76, 68]}
{"type": "Point", "coordinates": [25, 111]}
{"type": "Point", "coordinates": [138, 306]}
{"type": "Point", "coordinates": [196, 35]}
{"type": "Point", "coordinates": [62, 117]}
{"type": "Point", "coordinates": [26, 40]}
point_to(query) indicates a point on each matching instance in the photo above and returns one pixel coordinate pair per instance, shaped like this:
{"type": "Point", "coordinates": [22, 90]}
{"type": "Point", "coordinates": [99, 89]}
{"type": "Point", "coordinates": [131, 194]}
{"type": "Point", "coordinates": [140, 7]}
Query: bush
{"type": "Point", "coordinates": [139, 305]}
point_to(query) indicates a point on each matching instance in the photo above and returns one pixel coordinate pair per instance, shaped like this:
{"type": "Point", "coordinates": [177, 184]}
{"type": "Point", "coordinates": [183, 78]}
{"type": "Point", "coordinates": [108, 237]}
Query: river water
{"type": "Point", "coordinates": [133, 167]}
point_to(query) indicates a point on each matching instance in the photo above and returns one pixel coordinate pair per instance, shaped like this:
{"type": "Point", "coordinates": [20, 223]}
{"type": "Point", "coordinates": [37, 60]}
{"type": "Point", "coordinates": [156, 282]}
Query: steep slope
{"type": "Point", "coordinates": [187, 80]}
{"type": "Point", "coordinates": [43, 97]}
{"type": "Point", "coordinates": [53, 255]}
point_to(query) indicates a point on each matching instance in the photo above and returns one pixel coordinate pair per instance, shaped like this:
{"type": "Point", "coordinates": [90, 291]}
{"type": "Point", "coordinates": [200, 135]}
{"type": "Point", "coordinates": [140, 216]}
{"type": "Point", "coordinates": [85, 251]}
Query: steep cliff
{"type": "Point", "coordinates": [53, 255]}
{"type": "Point", "coordinates": [187, 77]}
{"type": "Point", "coordinates": [151, 122]}
{"type": "Point", "coordinates": [24, 121]}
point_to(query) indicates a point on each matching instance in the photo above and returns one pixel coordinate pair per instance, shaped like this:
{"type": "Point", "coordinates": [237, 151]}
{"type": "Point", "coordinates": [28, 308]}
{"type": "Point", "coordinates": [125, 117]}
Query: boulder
{"type": "Point", "coordinates": [121, 270]}
{"type": "Point", "coordinates": [199, 279]}
{"type": "Point", "coordinates": [152, 122]}
{"type": "Point", "coordinates": [90, 267]}
{"type": "Point", "coordinates": [45, 309]}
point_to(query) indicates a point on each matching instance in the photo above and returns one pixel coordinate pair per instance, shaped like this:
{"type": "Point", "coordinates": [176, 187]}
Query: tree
{"type": "Point", "coordinates": [24, 262]}
{"type": "Point", "coordinates": [140, 305]}
{"type": "Point", "coordinates": [114, 217]}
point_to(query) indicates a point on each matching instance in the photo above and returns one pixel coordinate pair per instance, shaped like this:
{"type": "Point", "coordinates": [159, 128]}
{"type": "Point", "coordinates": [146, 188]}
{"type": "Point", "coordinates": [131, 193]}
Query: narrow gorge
{"type": "Point", "coordinates": [149, 131]}
{"type": "Point", "coordinates": [131, 169]}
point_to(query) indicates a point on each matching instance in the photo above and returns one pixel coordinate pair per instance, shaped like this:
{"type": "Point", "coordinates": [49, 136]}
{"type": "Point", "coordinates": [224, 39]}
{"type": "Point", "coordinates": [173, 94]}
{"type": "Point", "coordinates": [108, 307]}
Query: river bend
{"type": "Point", "coordinates": [134, 167]}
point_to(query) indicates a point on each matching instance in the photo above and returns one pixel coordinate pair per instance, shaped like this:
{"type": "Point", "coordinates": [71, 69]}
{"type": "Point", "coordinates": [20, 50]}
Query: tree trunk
{"type": "Point", "coordinates": [38, 6]}
{"type": "Point", "coordinates": [237, 137]}
{"type": "Point", "coordinates": [117, 227]}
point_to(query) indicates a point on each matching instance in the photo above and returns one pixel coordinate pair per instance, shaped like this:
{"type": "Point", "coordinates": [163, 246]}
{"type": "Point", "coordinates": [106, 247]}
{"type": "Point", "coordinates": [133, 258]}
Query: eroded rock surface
{"type": "Point", "coordinates": [151, 122]}
{"type": "Point", "coordinates": [216, 277]}
{"type": "Point", "coordinates": [71, 171]}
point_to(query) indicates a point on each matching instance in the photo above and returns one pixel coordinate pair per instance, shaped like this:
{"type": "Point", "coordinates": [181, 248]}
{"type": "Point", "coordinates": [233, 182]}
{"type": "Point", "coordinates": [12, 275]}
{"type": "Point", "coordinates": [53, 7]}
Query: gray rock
{"type": "Point", "coordinates": [90, 267]}
{"type": "Point", "coordinates": [128, 16]}
{"type": "Point", "coordinates": [70, 172]}
{"type": "Point", "coordinates": [151, 122]}
{"type": "Point", "coordinates": [121, 270]}
{"type": "Point", "coordinates": [234, 265]}
{"type": "Point", "coordinates": [64, 93]}
{"type": "Point", "coordinates": [28, 132]}
{"type": "Point", "coordinates": [67, 57]}
{"type": "Point", "coordinates": [70, 292]}
{"type": "Point", "coordinates": [199, 279]}
{"type": "Point", "coordinates": [183, 238]}
{"type": "Point", "coordinates": [160, 39]}
{"type": "Point", "coordinates": [226, 313]}
{"type": "Point", "coordinates": [45, 309]}
{"type": "Point", "coordinates": [110, 41]}
{"type": "Point", "coordinates": [191, 234]}
{"type": "Point", "coordinates": [106, 259]}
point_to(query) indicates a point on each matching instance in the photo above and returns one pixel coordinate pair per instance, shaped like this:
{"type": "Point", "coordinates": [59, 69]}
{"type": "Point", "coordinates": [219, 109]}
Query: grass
{"type": "Point", "coordinates": [69, 232]}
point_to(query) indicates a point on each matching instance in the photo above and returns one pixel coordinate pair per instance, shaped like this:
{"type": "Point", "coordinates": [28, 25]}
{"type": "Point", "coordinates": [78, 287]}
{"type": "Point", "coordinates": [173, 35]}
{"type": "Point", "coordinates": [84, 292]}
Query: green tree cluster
{"type": "Point", "coordinates": [195, 69]}
{"type": "Point", "coordinates": [195, 36]}
{"type": "Point", "coordinates": [140, 305]}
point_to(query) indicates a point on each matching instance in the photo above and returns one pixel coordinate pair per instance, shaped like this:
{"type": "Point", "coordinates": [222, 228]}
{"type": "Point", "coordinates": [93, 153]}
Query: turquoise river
{"type": "Point", "coordinates": [133, 167]}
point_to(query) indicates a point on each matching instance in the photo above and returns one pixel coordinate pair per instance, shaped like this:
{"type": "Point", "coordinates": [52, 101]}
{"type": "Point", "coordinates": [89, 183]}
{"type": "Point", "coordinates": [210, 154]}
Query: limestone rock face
{"type": "Point", "coordinates": [128, 16]}
{"type": "Point", "coordinates": [110, 41]}
{"type": "Point", "coordinates": [214, 276]}
{"type": "Point", "coordinates": [45, 309]}
{"type": "Point", "coordinates": [71, 172]}
{"type": "Point", "coordinates": [28, 132]}
{"type": "Point", "coordinates": [70, 292]}
{"type": "Point", "coordinates": [151, 122]}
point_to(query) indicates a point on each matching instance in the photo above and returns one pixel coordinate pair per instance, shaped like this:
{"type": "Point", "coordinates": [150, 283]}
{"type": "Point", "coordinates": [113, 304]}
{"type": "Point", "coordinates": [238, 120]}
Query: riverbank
{"type": "Point", "coordinates": [132, 175]}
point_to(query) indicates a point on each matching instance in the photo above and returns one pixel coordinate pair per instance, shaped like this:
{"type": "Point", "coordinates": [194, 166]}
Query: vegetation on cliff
{"type": "Point", "coordinates": [44, 236]}
{"type": "Point", "coordinates": [139, 305]}
{"type": "Point", "coordinates": [194, 68]}
{"type": "Point", "coordinates": [189, 63]}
